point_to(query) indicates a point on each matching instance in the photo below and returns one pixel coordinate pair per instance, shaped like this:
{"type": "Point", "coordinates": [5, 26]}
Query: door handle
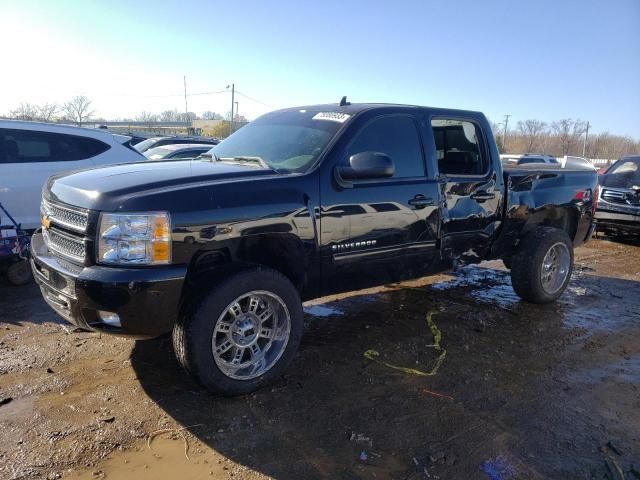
{"type": "Point", "coordinates": [420, 201]}
{"type": "Point", "coordinates": [483, 196]}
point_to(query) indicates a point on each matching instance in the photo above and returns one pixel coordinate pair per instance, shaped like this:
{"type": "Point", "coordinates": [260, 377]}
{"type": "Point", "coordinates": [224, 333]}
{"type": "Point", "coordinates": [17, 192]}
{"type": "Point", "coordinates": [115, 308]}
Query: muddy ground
{"type": "Point", "coordinates": [524, 391]}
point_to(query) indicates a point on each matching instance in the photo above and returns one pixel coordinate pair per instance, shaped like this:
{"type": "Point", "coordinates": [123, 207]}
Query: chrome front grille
{"type": "Point", "coordinates": [71, 218]}
{"type": "Point", "coordinates": [64, 244]}
{"type": "Point", "coordinates": [620, 196]}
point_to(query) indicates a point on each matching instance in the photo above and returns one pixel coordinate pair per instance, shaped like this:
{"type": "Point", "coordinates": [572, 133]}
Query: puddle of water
{"type": "Point", "coordinates": [322, 311]}
{"type": "Point", "coordinates": [489, 286]}
{"type": "Point", "coordinates": [165, 460]}
{"type": "Point", "coordinates": [623, 371]}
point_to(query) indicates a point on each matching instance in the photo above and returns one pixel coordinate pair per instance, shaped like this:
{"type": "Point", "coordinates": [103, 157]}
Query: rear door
{"type": "Point", "coordinates": [380, 230]}
{"type": "Point", "coordinates": [470, 185]}
{"type": "Point", "coordinates": [28, 158]}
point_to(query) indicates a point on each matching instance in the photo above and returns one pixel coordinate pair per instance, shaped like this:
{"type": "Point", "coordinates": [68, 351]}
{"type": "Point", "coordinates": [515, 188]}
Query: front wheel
{"type": "Point", "coordinates": [244, 334]}
{"type": "Point", "coordinates": [542, 265]}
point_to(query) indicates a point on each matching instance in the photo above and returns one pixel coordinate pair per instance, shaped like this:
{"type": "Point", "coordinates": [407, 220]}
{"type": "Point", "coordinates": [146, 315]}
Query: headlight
{"type": "Point", "coordinates": [139, 239]}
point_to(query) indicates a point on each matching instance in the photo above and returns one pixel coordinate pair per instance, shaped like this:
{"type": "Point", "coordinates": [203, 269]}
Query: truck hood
{"type": "Point", "coordinates": [108, 188]}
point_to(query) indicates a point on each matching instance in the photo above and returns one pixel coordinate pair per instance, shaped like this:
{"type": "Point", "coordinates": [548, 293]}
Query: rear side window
{"type": "Point", "coordinates": [29, 146]}
{"type": "Point", "coordinates": [395, 136]}
{"type": "Point", "coordinates": [459, 147]}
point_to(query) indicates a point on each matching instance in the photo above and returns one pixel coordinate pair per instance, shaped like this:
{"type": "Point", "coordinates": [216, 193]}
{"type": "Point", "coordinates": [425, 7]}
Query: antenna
{"type": "Point", "coordinates": [343, 102]}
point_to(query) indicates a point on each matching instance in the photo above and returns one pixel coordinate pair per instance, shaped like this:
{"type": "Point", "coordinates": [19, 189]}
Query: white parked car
{"type": "Point", "coordinates": [30, 152]}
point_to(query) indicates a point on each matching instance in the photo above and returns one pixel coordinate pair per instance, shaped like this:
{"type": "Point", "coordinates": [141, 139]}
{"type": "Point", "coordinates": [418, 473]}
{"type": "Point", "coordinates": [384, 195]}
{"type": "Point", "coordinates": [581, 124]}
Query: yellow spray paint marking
{"type": "Point", "coordinates": [437, 337]}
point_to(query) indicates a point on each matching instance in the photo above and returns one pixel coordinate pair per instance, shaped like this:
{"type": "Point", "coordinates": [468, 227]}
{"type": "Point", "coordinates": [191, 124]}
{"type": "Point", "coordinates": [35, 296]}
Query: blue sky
{"type": "Point", "coordinates": [545, 59]}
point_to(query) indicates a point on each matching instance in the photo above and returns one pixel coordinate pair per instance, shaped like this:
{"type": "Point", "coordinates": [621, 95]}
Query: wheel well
{"type": "Point", "coordinates": [561, 218]}
{"type": "Point", "coordinates": [281, 252]}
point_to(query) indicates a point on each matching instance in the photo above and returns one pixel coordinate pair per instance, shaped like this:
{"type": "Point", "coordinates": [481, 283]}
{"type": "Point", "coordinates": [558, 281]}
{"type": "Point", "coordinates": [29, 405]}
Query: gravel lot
{"type": "Point", "coordinates": [524, 391]}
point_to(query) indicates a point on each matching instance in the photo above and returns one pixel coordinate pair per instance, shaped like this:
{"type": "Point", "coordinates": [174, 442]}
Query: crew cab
{"type": "Point", "coordinates": [300, 203]}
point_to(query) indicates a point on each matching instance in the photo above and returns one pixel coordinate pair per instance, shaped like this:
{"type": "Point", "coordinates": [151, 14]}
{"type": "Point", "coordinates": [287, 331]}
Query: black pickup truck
{"type": "Point", "coordinates": [298, 204]}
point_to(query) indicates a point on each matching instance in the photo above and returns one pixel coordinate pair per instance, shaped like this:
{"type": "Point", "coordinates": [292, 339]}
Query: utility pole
{"type": "Point", "coordinates": [584, 145]}
{"type": "Point", "coordinates": [506, 129]}
{"type": "Point", "coordinates": [233, 101]}
{"type": "Point", "coordinates": [186, 108]}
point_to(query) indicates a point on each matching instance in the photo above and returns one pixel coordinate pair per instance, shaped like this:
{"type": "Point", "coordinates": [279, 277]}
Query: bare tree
{"type": "Point", "coordinates": [169, 116]}
{"type": "Point", "coordinates": [187, 117]}
{"type": "Point", "coordinates": [147, 117]}
{"type": "Point", "coordinates": [78, 109]}
{"type": "Point", "coordinates": [209, 115]}
{"type": "Point", "coordinates": [47, 111]}
{"type": "Point", "coordinates": [532, 132]}
{"type": "Point", "coordinates": [25, 111]}
{"type": "Point", "coordinates": [568, 132]}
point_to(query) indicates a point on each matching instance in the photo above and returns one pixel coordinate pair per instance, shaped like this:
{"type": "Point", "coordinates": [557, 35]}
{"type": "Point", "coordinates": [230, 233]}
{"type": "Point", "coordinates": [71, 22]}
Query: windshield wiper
{"type": "Point", "coordinates": [245, 159]}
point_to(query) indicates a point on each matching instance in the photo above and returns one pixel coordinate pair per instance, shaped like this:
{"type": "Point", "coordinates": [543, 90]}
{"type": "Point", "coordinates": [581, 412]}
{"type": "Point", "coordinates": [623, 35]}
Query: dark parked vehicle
{"type": "Point", "coordinates": [176, 152]}
{"type": "Point", "coordinates": [154, 142]}
{"type": "Point", "coordinates": [618, 209]}
{"type": "Point", "coordinates": [298, 204]}
{"type": "Point", "coordinates": [135, 139]}
{"type": "Point", "coordinates": [539, 159]}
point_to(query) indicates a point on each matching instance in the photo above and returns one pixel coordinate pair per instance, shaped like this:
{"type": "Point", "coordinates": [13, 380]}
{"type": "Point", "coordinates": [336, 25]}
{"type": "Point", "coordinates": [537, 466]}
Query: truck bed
{"type": "Point", "coordinates": [533, 191]}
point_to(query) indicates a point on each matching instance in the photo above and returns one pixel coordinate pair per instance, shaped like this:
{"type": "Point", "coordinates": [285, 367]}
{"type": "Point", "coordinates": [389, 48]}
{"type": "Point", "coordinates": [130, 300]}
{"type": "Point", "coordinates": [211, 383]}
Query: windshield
{"type": "Point", "coordinates": [157, 153]}
{"type": "Point", "coordinates": [623, 174]}
{"type": "Point", "coordinates": [145, 144]}
{"type": "Point", "coordinates": [285, 141]}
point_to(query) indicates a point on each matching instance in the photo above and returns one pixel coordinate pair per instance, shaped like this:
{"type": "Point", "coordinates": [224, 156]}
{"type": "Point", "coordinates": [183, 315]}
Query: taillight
{"type": "Point", "coordinates": [583, 195]}
{"type": "Point", "coordinates": [596, 198]}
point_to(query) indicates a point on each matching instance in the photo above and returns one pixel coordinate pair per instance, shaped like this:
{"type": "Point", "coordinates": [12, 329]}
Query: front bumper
{"type": "Point", "coordinates": [145, 299]}
{"type": "Point", "coordinates": [627, 222]}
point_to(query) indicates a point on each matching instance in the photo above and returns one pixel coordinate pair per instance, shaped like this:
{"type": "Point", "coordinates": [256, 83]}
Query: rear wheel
{"type": "Point", "coordinates": [542, 265]}
{"type": "Point", "coordinates": [244, 334]}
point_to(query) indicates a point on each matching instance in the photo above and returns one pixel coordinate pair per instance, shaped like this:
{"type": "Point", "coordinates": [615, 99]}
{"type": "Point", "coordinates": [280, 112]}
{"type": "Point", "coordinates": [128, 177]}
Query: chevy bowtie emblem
{"type": "Point", "coordinates": [46, 221]}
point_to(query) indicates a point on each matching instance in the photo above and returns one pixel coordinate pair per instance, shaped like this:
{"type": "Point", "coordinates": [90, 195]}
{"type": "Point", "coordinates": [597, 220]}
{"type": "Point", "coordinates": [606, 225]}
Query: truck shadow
{"type": "Point", "coordinates": [507, 388]}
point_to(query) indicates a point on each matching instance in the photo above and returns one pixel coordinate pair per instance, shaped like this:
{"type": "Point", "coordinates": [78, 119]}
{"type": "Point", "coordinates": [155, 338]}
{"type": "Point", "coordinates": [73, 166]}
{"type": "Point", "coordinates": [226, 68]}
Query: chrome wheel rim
{"type": "Point", "coordinates": [251, 335]}
{"type": "Point", "coordinates": [555, 268]}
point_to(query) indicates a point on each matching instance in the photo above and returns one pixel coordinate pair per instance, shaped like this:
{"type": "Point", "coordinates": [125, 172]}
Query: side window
{"type": "Point", "coordinates": [30, 146]}
{"type": "Point", "coordinates": [459, 148]}
{"type": "Point", "coordinates": [395, 136]}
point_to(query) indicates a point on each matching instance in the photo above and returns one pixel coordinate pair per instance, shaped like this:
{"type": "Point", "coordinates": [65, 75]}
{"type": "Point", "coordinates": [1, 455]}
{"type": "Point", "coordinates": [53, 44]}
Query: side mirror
{"type": "Point", "coordinates": [365, 166]}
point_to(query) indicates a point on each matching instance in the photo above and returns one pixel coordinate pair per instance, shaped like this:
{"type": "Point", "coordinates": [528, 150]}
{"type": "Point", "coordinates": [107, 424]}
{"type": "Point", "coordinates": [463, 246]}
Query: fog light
{"type": "Point", "coordinates": [109, 318]}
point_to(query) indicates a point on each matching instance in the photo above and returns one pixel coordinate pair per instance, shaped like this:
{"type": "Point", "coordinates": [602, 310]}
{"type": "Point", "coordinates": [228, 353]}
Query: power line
{"type": "Point", "coordinates": [254, 99]}
{"type": "Point", "coordinates": [162, 96]}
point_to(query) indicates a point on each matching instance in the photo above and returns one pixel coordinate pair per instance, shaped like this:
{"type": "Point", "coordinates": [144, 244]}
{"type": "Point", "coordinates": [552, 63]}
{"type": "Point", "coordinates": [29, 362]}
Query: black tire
{"type": "Point", "coordinates": [193, 334]}
{"type": "Point", "coordinates": [527, 264]}
{"type": "Point", "coordinates": [19, 273]}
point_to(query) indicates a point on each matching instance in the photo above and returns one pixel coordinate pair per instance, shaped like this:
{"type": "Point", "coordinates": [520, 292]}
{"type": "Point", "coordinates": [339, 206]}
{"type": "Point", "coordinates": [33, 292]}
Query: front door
{"type": "Point", "coordinates": [381, 230]}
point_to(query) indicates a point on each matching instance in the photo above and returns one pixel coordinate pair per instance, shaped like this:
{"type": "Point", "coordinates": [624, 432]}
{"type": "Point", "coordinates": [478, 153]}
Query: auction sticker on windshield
{"type": "Point", "coordinates": [332, 116]}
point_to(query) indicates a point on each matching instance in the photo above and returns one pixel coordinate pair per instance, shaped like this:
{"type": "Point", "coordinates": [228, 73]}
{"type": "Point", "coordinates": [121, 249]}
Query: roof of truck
{"type": "Point", "coordinates": [354, 108]}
